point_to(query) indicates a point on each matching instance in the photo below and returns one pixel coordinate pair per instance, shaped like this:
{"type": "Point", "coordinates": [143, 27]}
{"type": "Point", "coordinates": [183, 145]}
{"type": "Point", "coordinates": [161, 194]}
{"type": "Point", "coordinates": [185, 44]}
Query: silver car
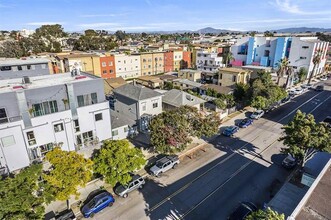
{"type": "Point", "coordinates": [137, 182]}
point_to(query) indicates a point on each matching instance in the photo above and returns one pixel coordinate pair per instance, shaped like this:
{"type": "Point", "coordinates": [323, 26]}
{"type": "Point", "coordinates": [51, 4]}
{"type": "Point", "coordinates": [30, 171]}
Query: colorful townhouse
{"type": "Point", "coordinates": [152, 63]}
{"type": "Point", "coordinates": [107, 66]}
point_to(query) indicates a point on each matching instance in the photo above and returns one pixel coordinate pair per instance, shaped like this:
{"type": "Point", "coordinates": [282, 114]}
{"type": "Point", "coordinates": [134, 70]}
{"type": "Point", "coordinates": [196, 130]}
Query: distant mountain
{"type": "Point", "coordinates": [302, 30]}
{"type": "Point", "coordinates": [212, 30]}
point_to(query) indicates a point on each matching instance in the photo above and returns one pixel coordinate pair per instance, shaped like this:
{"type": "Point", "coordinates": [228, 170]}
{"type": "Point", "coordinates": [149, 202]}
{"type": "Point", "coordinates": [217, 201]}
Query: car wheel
{"type": "Point", "coordinates": [110, 204]}
{"type": "Point", "coordinates": [125, 195]}
{"type": "Point", "coordinates": [174, 166]}
{"type": "Point", "coordinates": [92, 215]}
{"type": "Point", "coordinates": [159, 175]}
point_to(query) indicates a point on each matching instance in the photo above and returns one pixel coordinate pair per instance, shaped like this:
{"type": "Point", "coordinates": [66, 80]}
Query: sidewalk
{"type": "Point", "coordinates": [96, 184]}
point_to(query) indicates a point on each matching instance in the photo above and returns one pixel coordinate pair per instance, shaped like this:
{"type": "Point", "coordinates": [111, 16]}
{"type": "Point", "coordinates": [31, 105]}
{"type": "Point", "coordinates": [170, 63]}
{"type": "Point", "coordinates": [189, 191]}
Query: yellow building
{"type": "Point", "coordinates": [193, 75]}
{"type": "Point", "coordinates": [84, 62]}
{"type": "Point", "coordinates": [231, 76]}
{"type": "Point", "coordinates": [178, 56]}
{"type": "Point", "coordinates": [152, 63]}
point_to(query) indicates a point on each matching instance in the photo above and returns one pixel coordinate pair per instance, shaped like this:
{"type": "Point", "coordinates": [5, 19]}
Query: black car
{"type": "Point", "coordinates": [319, 88]}
{"type": "Point", "coordinates": [286, 99]}
{"type": "Point", "coordinates": [242, 211]}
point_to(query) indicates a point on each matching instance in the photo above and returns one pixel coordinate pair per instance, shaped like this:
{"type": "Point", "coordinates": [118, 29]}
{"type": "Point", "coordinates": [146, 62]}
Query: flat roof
{"type": "Point", "coordinates": [232, 70]}
{"type": "Point", "coordinates": [76, 55]}
{"type": "Point", "coordinates": [17, 62]}
{"type": "Point", "coordinates": [257, 67]}
{"type": "Point", "coordinates": [9, 85]}
{"type": "Point", "coordinates": [188, 82]}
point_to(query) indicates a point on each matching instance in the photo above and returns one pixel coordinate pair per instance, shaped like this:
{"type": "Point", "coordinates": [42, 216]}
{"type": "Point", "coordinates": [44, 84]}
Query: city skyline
{"type": "Point", "coordinates": [170, 15]}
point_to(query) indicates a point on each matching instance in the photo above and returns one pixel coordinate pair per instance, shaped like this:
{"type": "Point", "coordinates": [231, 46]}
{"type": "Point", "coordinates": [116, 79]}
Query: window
{"type": "Point", "coordinates": [303, 58]}
{"type": "Point", "coordinates": [110, 63]}
{"type": "Point", "coordinates": [305, 47]}
{"type": "Point", "coordinates": [126, 129]}
{"type": "Point", "coordinates": [234, 78]}
{"type": "Point", "coordinates": [104, 71]}
{"type": "Point", "coordinates": [111, 71]}
{"type": "Point", "coordinates": [221, 75]}
{"type": "Point", "coordinates": [98, 117]}
{"type": "Point", "coordinates": [3, 116]}
{"type": "Point", "coordinates": [143, 106]}
{"type": "Point", "coordinates": [87, 136]}
{"type": "Point", "coordinates": [8, 141]}
{"type": "Point", "coordinates": [44, 108]}
{"type": "Point", "coordinates": [114, 133]}
{"type": "Point", "coordinates": [19, 67]}
{"type": "Point", "coordinates": [43, 66]}
{"type": "Point", "coordinates": [5, 68]}
{"type": "Point", "coordinates": [31, 138]}
{"type": "Point", "coordinates": [103, 64]}
{"type": "Point", "coordinates": [76, 125]}
{"type": "Point", "coordinates": [88, 99]}
{"type": "Point", "coordinates": [58, 127]}
{"type": "Point", "coordinates": [28, 67]}
{"type": "Point", "coordinates": [155, 103]}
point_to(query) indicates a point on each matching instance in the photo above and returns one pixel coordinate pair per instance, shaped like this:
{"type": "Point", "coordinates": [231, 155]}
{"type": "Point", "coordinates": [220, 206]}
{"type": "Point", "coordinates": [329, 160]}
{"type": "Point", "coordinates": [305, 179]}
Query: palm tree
{"type": "Point", "coordinates": [289, 74]}
{"type": "Point", "coordinates": [228, 57]}
{"type": "Point", "coordinates": [316, 60]}
{"type": "Point", "coordinates": [283, 68]}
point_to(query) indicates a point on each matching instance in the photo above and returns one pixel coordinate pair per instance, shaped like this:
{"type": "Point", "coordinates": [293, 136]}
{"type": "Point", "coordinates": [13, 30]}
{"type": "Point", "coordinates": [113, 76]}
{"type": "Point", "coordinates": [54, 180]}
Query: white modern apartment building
{"type": "Point", "coordinates": [303, 50]}
{"type": "Point", "coordinates": [127, 66]}
{"type": "Point", "coordinates": [41, 112]}
{"type": "Point", "coordinates": [208, 62]}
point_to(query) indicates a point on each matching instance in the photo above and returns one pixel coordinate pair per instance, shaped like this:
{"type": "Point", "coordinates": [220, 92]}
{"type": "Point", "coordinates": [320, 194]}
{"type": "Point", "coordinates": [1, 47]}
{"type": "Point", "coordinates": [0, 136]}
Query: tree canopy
{"type": "Point", "coordinates": [68, 171]}
{"type": "Point", "coordinates": [116, 160]}
{"type": "Point", "coordinates": [303, 137]}
{"type": "Point", "coordinates": [19, 196]}
{"type": "Point", "coordinates": [267, 214]}
{"type": "Point", "coordinates": [171, 130]}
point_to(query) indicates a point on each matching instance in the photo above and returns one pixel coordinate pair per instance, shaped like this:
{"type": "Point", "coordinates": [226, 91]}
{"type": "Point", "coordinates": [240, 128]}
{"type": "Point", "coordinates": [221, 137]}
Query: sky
{"type": "Point", "coordinates": [165, 15]}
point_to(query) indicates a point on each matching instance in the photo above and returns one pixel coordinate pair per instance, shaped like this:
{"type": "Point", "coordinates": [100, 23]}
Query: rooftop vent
{"type": "Point", "coordinates": [26, 80]}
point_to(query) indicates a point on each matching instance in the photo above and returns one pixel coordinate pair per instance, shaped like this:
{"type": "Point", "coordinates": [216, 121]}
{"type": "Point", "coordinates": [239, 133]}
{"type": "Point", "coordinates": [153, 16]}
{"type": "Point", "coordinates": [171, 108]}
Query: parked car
{"type": "Point", "coordinates": [243, 210]}
{"type": "Point", "coordinates": [245, 123]}
{"type": "Point", "coordinates": [97, 203]}
{"type": "Point", "coordinates": [296, 91]}
{"type": "Point", "coordinates": [257, 114]}
{"type": "Point", "coordinates": [289, 162]}
{"type": "Point", "coordinates": [164, 164]}
{"type": "Point", "coordinates": [327, 120]}
{"type": "Point", "coordinates": [319, 88]}
{"type": "Point", "coordinates": [324, 78]}
{"type": "Point", "coordinates": [307, 86]}
{"type": "Point", "coordinates": [229, 131]}
{"type": "Point", "coordinates": [286, 99]}
{"type": "Point", "coordinates": [135, 183]}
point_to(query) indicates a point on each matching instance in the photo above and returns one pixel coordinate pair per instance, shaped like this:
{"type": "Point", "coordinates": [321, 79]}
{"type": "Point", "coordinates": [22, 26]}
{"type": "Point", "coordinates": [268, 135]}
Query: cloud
{"type": "Point", "coordinates": [98, 25]}
{"type": "Point", "coordinates": [103, 15]}
{"type": "Point", "coordinates": [39, 23]}
{"type": "Point", "coordinates": [292, 8]}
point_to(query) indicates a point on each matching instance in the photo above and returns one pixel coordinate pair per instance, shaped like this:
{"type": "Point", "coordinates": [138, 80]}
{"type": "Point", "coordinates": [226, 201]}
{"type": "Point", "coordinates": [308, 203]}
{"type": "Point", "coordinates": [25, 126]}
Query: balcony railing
{"type": "Point", "coordinates": [10, 119]}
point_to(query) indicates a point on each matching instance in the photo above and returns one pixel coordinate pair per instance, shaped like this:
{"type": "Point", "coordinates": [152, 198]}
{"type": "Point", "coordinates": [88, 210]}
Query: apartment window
{"type": "Point", "coordinates": [111, 71]}
{"type": "Point", "coordinates": [119, 68]}
{"type": "Point", "coordinates": [98, 117]}
{"type": "Point", "coordinates": [88, 99]}
{"type": "Point", "coordinates": [5, 68]}
{"type": "Point", "coordinates": [103, 64]}
{"type": "Point", "coordinates": [31, 138]}
{"type": "Point", "coordinates": [144, 60]}
{"type": "Point", "coordinates": [58, 127]}
{"type": "Point", "coordinates": [210, 62]}
{"type": "Point", "coordinates": [110, 63]}
{"type": "Point", "coordinates": [303, 58]}
{"type": "Point", "coordinates": [221, 75]}
{"type": "Point", "coordinates": [76, 125]}
{"type": "Point", "coordinates": [126, 129]}
{"type": "Point", "coordinates": [87, 136]}
{"type": "Point", "coordinates": [3, 116]}
{"type": "Point", "coordinates": [44, 149]}
{"type": "Point", "coordinates": [43, 66]}
{"type": "Point", "coordinates": [305, 47]}
{"type": "Point", "coordinates": [124, 61]}
{"type": "Point", "coordinates": [114, 133]}
{"type": "Point", "coordinates": [19, 67]}
{"type": "Point", "coordinates": [104, 71]}
{"type": "Point", "coordinates": [234, 78]}
{"type": "Point", "coordinates": [175, 57]}
{"type": "Point", "coordinates": [28, 67]}
{"type": "Point", "coordinates": [143, 106]}
{"type": "Point", "coordinates": [44, 108]}
{"type": "Point", "coordinates": [8, 141]}
{"type": "Point", "coordinates": [155, 103]}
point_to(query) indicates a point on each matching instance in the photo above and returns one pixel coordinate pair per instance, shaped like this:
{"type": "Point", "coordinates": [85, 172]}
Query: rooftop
{"type": "Point", "coordinates": [232, 70]}
{"type": "Point", "coordinates": [119, 120]}
{"type": "Point", "coordinates": [179, 98]}
{"type": "Point", "coordinates": [136, 92]}
{"type": "Point", "coordinates": [113, 83]}
{"type": "Point", "coordinates": [77, 55]}
{"type": "Point", "coordinates": [257, 67]}
{"type": "Point", "coordinates": [190, 71]}
{"type": "Point", "coordinates": [9, 85]}
{"type": "Point", "coordinates": [188, 82]}
{"type": "Point", "coordinates": [23, 61]}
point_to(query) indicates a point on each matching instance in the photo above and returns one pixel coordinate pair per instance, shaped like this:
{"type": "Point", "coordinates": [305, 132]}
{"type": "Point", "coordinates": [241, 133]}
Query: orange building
{"type": "Point", "coordinates": [107, 66]}
{"type": "Point", "coordinates": [187, 59]}
{"type": "Point", "coordinates": [169, 61]}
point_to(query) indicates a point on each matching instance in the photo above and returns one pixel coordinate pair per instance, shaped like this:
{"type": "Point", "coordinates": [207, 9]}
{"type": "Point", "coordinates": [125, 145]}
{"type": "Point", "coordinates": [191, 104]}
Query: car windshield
{"type": "Point", "coordinates": [244, 121]}
{"type": "Point", "coordinates": [91, 204]}
{"type": "Point", "coordinates": [159, 164]}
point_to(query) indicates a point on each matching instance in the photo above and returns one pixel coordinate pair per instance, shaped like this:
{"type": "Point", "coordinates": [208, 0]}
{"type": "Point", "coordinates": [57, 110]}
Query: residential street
{"type": "Point", "coordinates": [211, 185]}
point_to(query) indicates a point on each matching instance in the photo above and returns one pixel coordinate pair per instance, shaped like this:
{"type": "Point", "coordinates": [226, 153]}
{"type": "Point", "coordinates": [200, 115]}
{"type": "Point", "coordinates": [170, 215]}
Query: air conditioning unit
{"type": "Point", "coordinates": [26, 80]}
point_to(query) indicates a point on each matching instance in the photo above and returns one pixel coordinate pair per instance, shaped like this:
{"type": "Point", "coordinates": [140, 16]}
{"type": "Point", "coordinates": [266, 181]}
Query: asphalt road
{"type": "Point", "coordinates": [232, 170]}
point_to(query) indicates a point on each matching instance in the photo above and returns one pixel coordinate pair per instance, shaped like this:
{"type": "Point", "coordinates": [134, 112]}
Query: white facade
{"type": "Point", "coordinates": [120, 133]}
{"type": "Point", "coordinates": [34, 117]}
{"type": "Point", "coordinates": [302, 53]}
{"type": "Point", "coordinates": [208, 62]}
{"type": "Point", "coordinates": [127, 66]}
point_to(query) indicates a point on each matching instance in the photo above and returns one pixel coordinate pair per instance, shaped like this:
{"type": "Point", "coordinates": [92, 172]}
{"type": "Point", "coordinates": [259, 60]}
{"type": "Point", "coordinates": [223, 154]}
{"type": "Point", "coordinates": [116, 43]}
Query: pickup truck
{"type": "Point", "coordinates": [164, 164]}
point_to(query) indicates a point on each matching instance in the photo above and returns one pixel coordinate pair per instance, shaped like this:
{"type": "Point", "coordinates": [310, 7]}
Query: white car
{"type": "Point", "coordinates": [257, 114]}
{"type": "Point", "coordinates": [324, 78]}
{"type": "Point", "coordinates": [296, 91]}
{"type": "Point", "coordinates": [307, 86]}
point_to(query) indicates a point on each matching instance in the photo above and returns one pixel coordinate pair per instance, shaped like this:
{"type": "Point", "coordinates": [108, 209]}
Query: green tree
{"type": "Point", "coordinates": [51, 31]}
{"type": "Point", "coordinates": [168, 85]}
{"type": "Point", "coordinates": [316, 60]}
{"type": "Point", "coordinates": [259, 102]}
{"type": "Point", "coordinates": [120, 35]}
{"type": "Point", "coordinates": [283, 67]}
{"type": "Point", "coordinates": [220, 103]}
{"type": "Point", "coordinates": [302, 74]}
{"type": "Point", "coordinates": [91, 33]}
{"type": "Point", "coordinates": [240, 92]}
{"type": "Point", "coordinates": [68, 171]}
{"type": "Point", "coordinates": [20, 197]}
{"type": "Point", "coordinates": [116, 159]}
{"type": "Point", "coordinates": [12, 49]}
{"type": "Point", "coordinates": [304, 137]}
{"type": "Point", "coordinates": [267, 214]}
{"type": "Point", "coordinates": [268, 34]}
{"type": "Point", "coordinates": [228, 58]}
